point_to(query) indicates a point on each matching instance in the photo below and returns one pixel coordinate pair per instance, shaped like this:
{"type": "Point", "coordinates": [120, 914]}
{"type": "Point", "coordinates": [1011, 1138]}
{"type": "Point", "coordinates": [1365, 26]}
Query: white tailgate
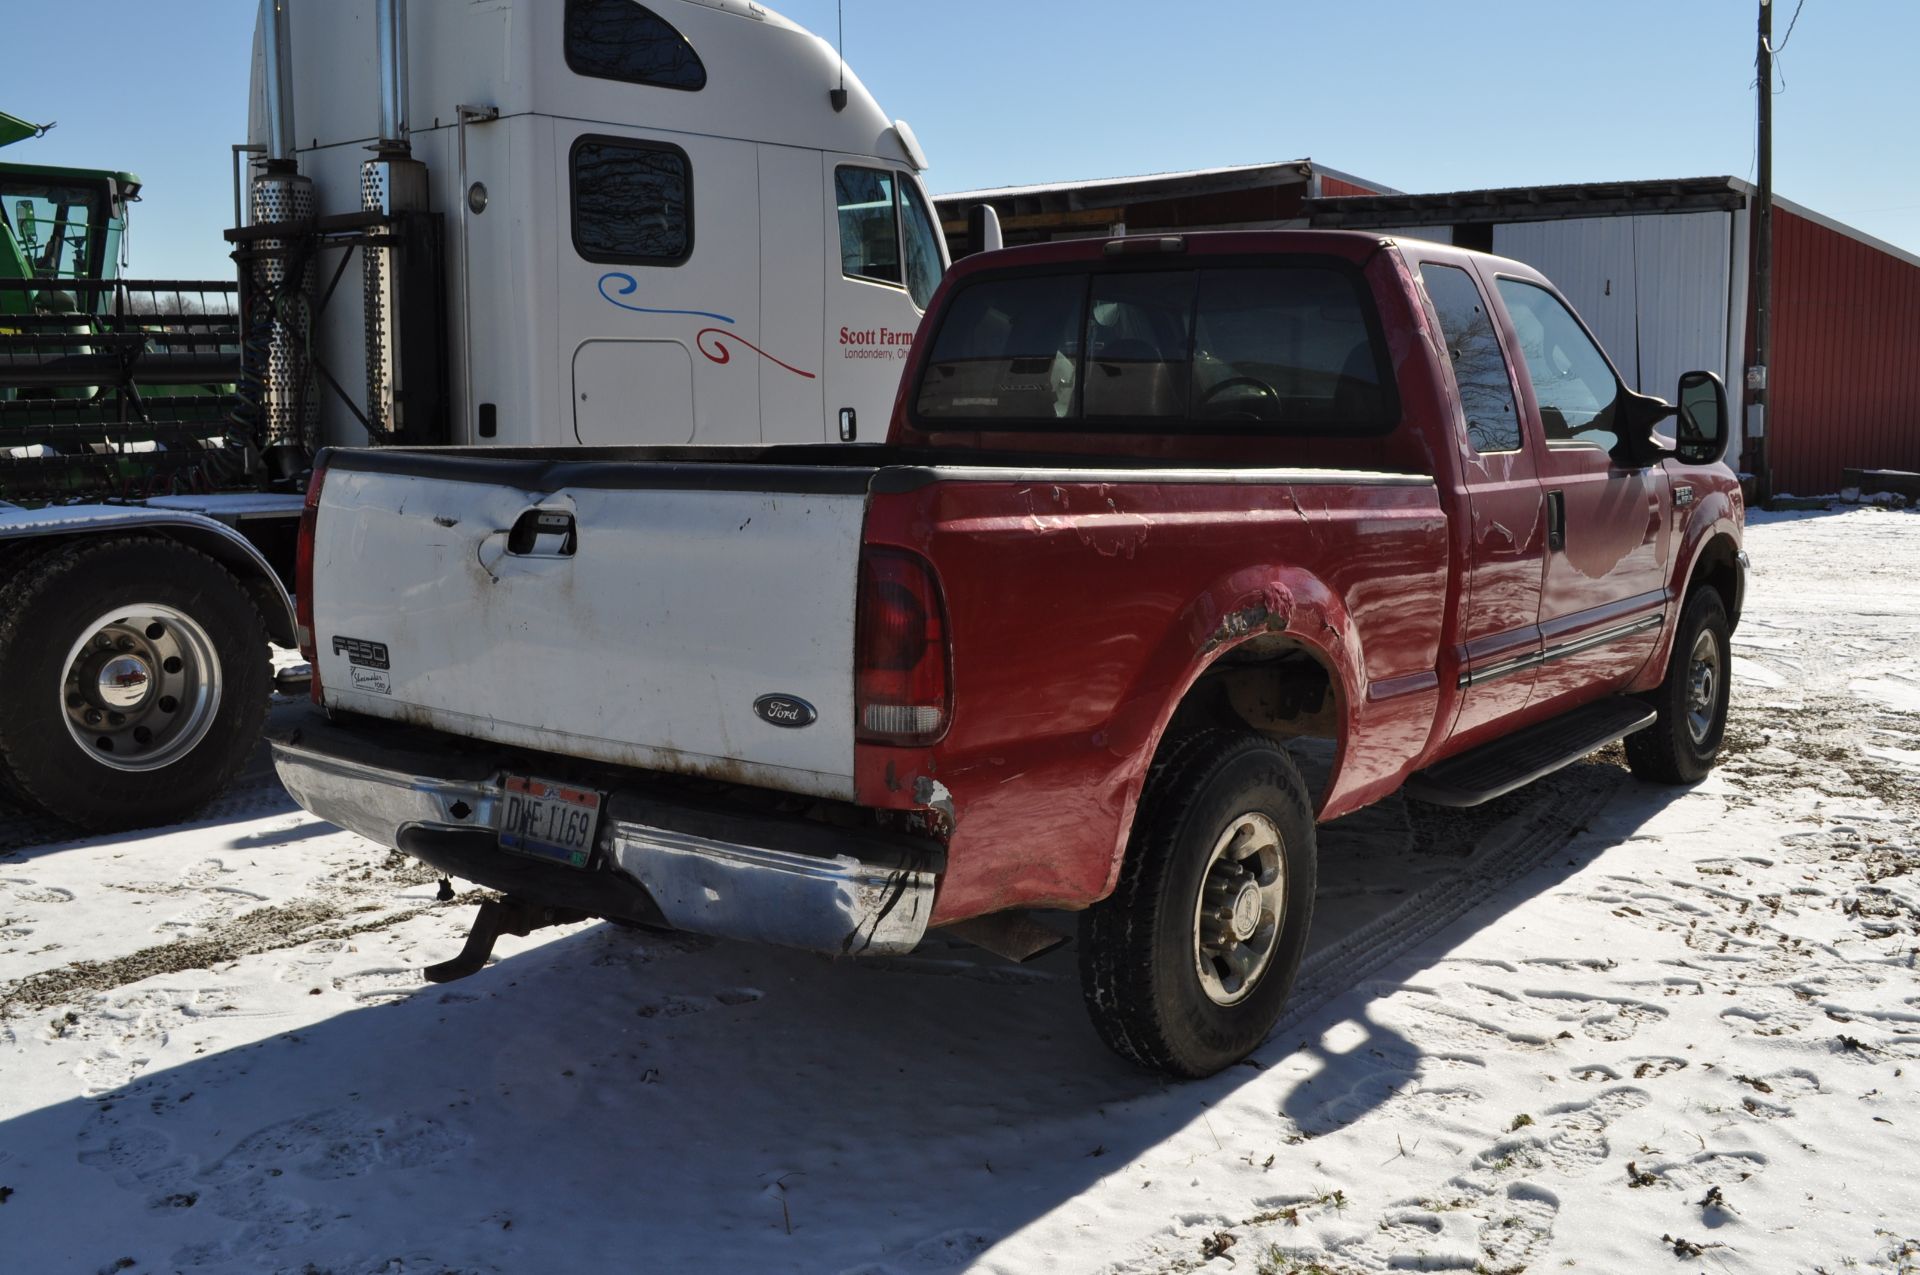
{"type": "Point", "coordinates": [647, 647]}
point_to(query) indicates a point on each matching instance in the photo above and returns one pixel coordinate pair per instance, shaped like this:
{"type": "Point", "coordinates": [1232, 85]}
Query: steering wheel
{"type": "Point", "coordinates": [1266, 392]}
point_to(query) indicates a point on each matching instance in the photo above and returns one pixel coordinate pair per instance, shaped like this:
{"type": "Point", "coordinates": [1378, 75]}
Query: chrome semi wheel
{"type": "Point", "coordinates": [142, 687]}
{"type": "Point", "coordinates": [1186, 966]}
{"type": "Point", "coordinates": [1691, 702]}
{"type": "Point", "coordinates": [136, 681]}
{"type": "Point", "coordinates": [1242, 905]}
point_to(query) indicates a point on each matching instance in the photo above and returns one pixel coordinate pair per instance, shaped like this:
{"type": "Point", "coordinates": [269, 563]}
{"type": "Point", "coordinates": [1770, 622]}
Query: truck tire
{"type": "Point", "coordinates": [137, 681]}
{"type": "Point", "coordinates": [1186, 966]}
{"type": "Point", "coordinates": [1680, 746]}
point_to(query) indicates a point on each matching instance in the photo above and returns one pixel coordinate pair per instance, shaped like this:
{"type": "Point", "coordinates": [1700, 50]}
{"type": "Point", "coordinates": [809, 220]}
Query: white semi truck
{"type": "Point", "coordinates": [519, 223]}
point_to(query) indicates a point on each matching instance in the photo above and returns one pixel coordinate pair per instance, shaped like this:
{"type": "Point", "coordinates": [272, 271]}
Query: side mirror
{"type": "Point", "coordinates": [1702, 424]}
{"type": "Point", "coordinates": [983, 229]}
{"type": "Point", "coordinates": [29, 224]}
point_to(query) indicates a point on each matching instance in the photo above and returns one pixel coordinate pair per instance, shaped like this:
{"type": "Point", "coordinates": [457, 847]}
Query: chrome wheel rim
{"type": "Point", "coordinates": [1241, 909]}
{"type": "Point", "coordinates": [142, 687]}
{"type": "Point", "coordinates": [1703, 686]}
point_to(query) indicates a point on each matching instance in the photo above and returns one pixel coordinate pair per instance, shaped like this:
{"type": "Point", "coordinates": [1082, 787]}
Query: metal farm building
{"type": "Point", "coordinates": [1661, 270]}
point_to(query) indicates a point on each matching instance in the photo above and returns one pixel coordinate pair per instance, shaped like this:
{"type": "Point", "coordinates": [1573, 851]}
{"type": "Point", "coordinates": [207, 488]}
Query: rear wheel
{"type": "Point", "coordinates": [1681, 745]}
{"type": "Point", "coordinates": [1186, 966]}
{"type": "Point", "coordinates": [137, 681]}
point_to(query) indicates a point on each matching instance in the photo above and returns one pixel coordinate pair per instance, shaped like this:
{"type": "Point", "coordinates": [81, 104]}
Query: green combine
{"type": "Point", "coordinates": [109, 387]}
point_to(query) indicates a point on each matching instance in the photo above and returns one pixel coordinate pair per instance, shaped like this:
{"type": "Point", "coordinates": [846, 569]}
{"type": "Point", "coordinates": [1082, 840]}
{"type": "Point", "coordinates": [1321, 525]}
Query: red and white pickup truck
{"type": "Point", "coordinates": [1150, 510]}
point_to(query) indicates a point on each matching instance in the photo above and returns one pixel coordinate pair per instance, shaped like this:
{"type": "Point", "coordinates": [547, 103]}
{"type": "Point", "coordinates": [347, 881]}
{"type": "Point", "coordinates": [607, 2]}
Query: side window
{"type": "Point", "coordinates": [1479, 368]}
{"type": "Point", "coordinates": [1576, 389]}
{"type": "Point", "coordinates": [624, 40]}
{"type": "Point", "coordinates": [869, 228]}
{"type": "Point", "coordinates": [632, 202]}
{"type": "Point", "coordinates": [886, 233]}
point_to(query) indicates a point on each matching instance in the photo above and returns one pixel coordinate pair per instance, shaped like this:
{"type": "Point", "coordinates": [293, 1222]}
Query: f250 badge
{"type": "Point", "coordinates": [361, 652]}
{"type": "Point", "coordinates": [785, 710]}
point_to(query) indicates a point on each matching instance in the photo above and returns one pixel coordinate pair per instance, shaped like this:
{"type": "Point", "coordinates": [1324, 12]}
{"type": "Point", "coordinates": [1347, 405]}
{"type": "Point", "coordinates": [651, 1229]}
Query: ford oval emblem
{"type": "Point", "coordinates": [785, 710]}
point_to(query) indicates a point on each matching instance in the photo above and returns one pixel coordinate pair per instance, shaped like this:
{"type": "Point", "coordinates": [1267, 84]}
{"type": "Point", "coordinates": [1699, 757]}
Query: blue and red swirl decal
{"type": "Point", "coordinates": [715, 337]}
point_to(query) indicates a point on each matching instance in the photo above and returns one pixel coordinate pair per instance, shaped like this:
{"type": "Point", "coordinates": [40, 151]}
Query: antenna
{"type": "Point", "coordinates": [838, 96]}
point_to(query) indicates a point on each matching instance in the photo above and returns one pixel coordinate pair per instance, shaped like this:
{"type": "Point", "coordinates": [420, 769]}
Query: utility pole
{"type": "Point", "coordinates": [1759, 376]}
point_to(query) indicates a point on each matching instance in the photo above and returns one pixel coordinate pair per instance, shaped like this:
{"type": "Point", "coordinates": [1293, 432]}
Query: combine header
{"type": "Point", "coordinates": [108, 386]}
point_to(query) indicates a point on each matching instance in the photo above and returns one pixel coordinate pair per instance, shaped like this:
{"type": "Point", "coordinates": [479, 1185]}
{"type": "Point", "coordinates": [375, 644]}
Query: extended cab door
{"type": "Point", "coordinates": [1499, 623]}
{"type": "Point", "coordinates": [1604, 597]}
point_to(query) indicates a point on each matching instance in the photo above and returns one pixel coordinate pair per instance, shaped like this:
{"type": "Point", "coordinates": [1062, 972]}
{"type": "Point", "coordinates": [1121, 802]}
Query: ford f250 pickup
{"type": "Point", "coordinates": [1149, 512]}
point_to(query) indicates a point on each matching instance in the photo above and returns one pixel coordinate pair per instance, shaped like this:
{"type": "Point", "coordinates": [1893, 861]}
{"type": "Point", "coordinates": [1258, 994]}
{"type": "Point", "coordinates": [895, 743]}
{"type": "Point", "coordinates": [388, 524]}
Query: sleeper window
{"type": "Point", "coordinates": [632, 202]}
{"type": "Point", "coordinates": [623, 40]}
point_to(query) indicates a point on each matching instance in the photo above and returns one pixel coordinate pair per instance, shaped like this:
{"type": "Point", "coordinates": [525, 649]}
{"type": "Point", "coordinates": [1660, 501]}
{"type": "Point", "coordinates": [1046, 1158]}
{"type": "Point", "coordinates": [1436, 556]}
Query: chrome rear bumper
{"type": "Point", "coordinates": [725, 873]}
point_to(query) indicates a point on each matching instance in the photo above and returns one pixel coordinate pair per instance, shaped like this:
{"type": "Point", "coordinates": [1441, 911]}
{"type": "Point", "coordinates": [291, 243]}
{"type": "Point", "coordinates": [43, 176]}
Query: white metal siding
{"type": "Point", "coordinates": [1681, 266]}
{"type": "Point", "coordinates": [1653, 288]}
{"type": "Point", "coordinates": [1432, 234]}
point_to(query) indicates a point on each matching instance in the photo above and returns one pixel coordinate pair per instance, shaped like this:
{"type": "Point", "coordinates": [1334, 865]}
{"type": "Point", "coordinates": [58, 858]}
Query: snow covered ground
{"type": "Point", "coordinates": [1597, 1026]}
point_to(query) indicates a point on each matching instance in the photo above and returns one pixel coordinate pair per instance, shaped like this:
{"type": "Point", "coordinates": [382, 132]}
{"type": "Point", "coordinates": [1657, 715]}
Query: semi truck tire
{"type": "Point", "coordinates": [1680, 746]}
{"type": "Point", "coordinates": [1186, 966]}
{"type": "Point", "coordinates": [136, 681]}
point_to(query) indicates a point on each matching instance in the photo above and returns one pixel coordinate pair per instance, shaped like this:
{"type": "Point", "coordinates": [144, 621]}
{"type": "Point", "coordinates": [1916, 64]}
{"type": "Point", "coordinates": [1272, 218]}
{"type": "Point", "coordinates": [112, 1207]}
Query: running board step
{"type": "Point", "coordinates": [1495, 769]}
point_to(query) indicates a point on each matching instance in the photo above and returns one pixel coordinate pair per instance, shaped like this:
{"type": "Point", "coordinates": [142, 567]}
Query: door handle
{"type": "Point", "coordinates": [543, 533]}
{"type": "Point", "coordinates": [1556, 521]}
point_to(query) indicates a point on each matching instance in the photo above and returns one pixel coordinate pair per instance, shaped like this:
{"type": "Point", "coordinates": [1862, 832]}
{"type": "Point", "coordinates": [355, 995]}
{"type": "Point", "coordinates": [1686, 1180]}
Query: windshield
{"type": "Point", "coordinates": [56, 226]}
{"type": "Point", "coordinates": [1219, 348]}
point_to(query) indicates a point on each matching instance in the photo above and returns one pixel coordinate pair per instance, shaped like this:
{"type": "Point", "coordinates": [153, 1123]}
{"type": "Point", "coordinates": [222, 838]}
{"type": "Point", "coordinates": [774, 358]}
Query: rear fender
{"type": "Point", "coordinates": [1252, 609]}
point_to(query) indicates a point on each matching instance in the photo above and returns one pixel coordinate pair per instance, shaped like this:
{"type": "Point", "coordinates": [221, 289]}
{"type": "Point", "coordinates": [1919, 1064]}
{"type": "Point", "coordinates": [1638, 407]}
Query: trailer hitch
{"type": "Point", "coordinates": [497, 917]}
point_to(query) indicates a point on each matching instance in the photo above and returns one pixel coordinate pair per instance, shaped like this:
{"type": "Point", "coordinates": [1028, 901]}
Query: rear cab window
{"type": "Point", "coordinates": [1290, 344]}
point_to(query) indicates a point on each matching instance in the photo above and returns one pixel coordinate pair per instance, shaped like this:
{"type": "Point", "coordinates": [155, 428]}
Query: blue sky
{"type": "Point", "coordinates": [1416, 94]}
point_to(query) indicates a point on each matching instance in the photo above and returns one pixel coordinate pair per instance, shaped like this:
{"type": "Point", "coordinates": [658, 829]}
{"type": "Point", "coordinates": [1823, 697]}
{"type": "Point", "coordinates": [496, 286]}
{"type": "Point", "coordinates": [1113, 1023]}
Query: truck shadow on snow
{"type": "Point", "coordinates": [616, 1097]}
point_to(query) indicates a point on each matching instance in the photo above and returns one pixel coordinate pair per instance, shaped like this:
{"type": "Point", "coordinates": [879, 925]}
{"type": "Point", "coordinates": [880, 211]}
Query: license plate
{"type": "Point", "coordinates": [545, 820]}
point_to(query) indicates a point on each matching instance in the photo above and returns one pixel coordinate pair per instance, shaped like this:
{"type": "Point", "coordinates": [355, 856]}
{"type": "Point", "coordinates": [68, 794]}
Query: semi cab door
{"type": "Point", "coordinates": [886, 261]}
{"type": "Point", "coordinates": [1499, 624]}
{"type": "Point", "coordinates": [1604, 597]}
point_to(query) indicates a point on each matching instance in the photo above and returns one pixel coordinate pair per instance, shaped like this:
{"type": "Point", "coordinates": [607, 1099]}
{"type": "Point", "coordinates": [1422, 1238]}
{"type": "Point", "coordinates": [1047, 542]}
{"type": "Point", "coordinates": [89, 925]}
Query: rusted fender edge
{"type": "Point", "coordinates": [1250, 604]}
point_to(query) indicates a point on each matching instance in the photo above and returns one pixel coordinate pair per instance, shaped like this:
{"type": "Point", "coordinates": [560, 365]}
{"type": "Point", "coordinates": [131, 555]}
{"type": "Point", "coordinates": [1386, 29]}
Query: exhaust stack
{"type": "Point", "coordinates": [392, 184]}
{"type": "Point", "coordinates": [278, 367]}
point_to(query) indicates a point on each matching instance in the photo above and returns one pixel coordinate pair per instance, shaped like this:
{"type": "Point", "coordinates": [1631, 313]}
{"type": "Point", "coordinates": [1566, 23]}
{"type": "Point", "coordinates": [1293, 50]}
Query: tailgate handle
{"type": "Point", "coordinates": [543, 533]}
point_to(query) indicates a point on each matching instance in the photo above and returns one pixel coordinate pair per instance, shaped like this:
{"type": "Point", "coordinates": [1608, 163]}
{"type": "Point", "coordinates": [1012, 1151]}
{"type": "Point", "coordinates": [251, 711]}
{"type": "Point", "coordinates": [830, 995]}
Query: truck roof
{"type": "Point", "coordinates": [1352, 245]}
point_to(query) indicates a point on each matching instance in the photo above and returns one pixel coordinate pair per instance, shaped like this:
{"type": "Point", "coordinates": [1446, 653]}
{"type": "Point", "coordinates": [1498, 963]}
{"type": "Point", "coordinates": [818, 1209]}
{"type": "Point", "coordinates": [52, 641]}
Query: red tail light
{"type": "Point", "coordinates": [902, 692]}
{"type": "Point", "coordinates": [303, 575]}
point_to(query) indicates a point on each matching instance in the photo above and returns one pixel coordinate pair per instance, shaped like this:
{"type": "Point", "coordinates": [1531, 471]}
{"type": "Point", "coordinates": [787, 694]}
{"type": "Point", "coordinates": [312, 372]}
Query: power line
{"type": "Point", "coordinates": [1781, 47]}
